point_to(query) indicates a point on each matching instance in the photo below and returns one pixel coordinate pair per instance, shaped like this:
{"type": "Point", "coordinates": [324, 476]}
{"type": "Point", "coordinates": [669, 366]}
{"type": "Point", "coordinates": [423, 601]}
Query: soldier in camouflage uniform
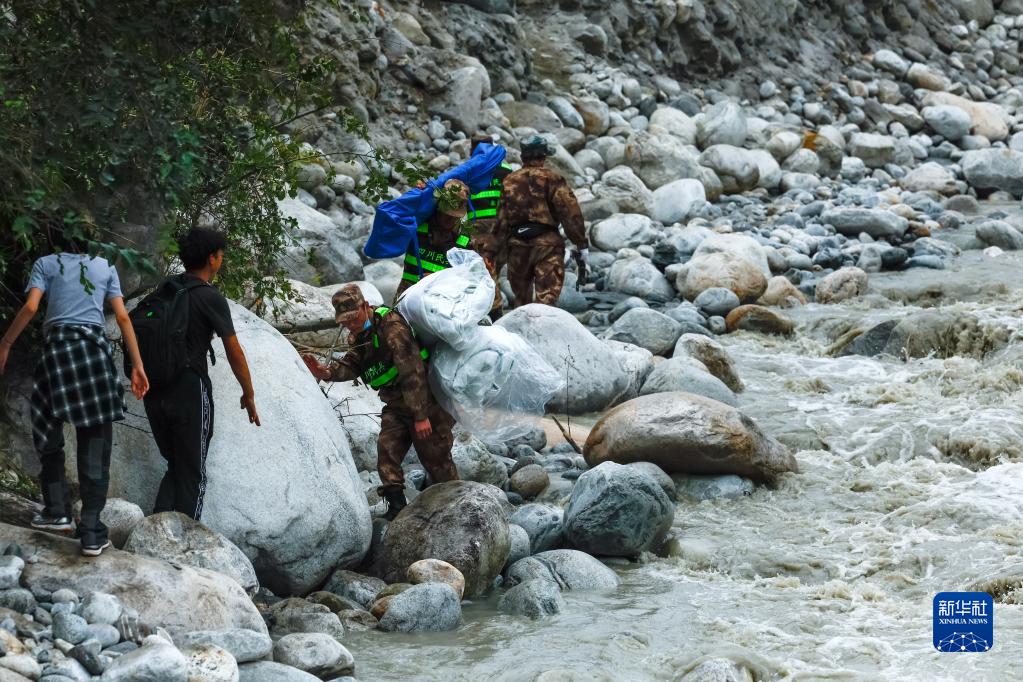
{"type": "Point", "coordinates": [534, 201]}
{"type": "Point", "coordinates": [384, 354]}
{"type": "Point", "coordinates": [480, 224]}
{"type": "Point", "coordinates": [441, 233]}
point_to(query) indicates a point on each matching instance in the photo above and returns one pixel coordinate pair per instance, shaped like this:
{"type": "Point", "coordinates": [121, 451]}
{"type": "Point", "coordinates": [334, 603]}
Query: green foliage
{"type": "Point", "coordinates": [167, 114]}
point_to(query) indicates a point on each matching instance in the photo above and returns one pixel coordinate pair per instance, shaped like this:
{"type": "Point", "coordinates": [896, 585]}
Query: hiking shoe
{"type": "Point", "coordinates": [54, 524]}
{"type": "Point", "coordinates": [94, 548]}
{"type": "Point", "coordinates": [395, 503]}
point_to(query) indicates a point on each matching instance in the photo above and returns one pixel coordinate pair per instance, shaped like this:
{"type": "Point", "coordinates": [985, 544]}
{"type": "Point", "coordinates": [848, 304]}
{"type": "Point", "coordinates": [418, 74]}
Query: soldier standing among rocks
{"type": "Point", "coordinates": [481, 224]}
{"type": "Point", "coordinates": [385, 355]}
{"type": "Point", "coordinates": [534, 201]}
{"type": "Point", "coordinates": [441, 233]}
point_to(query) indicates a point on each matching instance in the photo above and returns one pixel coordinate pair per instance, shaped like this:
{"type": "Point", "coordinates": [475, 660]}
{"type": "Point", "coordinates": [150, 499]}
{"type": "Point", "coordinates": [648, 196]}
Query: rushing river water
{"type": "Point", "coordinates": [911, 483]}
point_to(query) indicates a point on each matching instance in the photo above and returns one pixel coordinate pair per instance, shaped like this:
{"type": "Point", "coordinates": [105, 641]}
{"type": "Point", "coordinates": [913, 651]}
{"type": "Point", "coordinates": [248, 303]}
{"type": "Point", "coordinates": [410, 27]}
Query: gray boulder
{"type": "Point", "coordinates": [841, 285]}
{"type": "Point", "coordinates": [314, 653]}
{"type": "Point", "coordinates": [686, 433]}
{"type": "Point", "coordinates": [723, 123]}
{"type": "Point", "coordinates": [523, 114]}
{"type": "Point", "coordinates": [460, 522]}
{"type": "Point", "coordinates": [624, 190]}
{"type": "Point", "coordinates": [876, 151]}
{"type": "Point", "coordinates": [10, 571]}
{"type": "Point", "coordinates": [594, 376]}
{"type": "Point", "coordinates": [154, 662]}
{"type": "Point", "coordinates": [687, 375]}
{"type": "Point", "coordinates": [459, 100]}
{"type": "Point", "coordinates": [174, 537]}
{"type": "Point", "coordinates": [243, 645]}
{"type": "Point", "coordinates": [428, 607]}
{"type": "Point", "coordinates": [994, 169]}
{"type": "Point", "coordinates": [734, 166]}
{"type": "Point", "coordinates": [534, 599]}
{"type": "Point", "coordinates": [950, 122]}
{"type": "Point", "coordinates": [717, 301]}
{"type": "Point", "coordinates": [711, 355]}
{"type": "Point", "coordinates": [658, 474]}
{"type": "Point", "coordinates": [677, 200]}
{"type": "Point", "coordinates": [646, 328]}
{"type": "Point", "coordinates": [617, 511]}
{"type": "Point", "coordinates": [543, 525]}
{"type": "Point", "coordinates": [1001, 234]}
{"type": "Point", "coordinates": [119, 516]}
{"type": "Point", "coordinates": [519, 544]}
{"type": "Point", "coordinates": [623, 231]}
{"type": "Point", "coordinates": [476, 463]}
{"type": "Point", "coordinates": [639, 277]}
{"type": "Point", "coordinates": [876, 222]}
{"type": "Point", "coordinates": [362, 589]}
{"type": "Point", "coordinates": [659, 159]}
{"type": "Point", "coordinates": [729, 487]}
{"type": "Point", "coordinates": [180, 598]}
{"type": "Point", "coordinates": [570, 569]}
{"type": "Point", "coordinates": [268, 671]}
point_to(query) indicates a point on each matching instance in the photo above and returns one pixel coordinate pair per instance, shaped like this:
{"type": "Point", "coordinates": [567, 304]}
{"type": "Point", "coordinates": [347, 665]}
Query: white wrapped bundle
{"type": "Point", "coordinates": [447, 305]}
{"type": "Point", "coordinates": [496, 386]}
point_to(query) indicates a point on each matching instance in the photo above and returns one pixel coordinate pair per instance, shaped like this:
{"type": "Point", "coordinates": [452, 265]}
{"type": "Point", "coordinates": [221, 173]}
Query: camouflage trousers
{"type": "Point", "coordinates": [539, 265]}
{"type": "Point", "coordinates": [397, 434]}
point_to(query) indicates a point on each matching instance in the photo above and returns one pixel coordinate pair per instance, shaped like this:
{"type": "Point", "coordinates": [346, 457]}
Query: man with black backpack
{"type": "Point", "coordinates": [175, 326]}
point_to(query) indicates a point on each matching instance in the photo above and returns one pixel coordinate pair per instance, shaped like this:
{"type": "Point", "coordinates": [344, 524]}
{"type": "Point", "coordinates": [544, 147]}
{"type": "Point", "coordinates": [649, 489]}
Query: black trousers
{"type": "Point", "coordinates": [181, 418]}
{"type": "Point", "coordinates": [94, 443]}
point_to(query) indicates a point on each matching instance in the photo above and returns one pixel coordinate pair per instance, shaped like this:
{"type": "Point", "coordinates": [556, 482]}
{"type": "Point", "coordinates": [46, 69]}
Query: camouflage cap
{"type": "Point", "coordinates": [348, 301]}
{"type": "Point", "coordinates": [535, 148]}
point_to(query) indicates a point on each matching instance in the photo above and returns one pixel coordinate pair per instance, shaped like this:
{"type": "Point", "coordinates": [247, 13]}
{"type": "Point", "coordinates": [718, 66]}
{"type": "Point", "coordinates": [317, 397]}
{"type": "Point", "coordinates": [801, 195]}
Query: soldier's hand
{"type": "Point", "coordinates": [423, 428]}
{"type": "Point", "coordinates": [317, 370]}
{"type": "Point", "coordinates": [248, 403]}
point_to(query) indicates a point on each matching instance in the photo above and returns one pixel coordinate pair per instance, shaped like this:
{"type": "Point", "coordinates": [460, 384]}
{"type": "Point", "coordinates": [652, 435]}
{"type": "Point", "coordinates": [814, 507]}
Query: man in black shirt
{"type": "Point", "coordinates": [181, 414]}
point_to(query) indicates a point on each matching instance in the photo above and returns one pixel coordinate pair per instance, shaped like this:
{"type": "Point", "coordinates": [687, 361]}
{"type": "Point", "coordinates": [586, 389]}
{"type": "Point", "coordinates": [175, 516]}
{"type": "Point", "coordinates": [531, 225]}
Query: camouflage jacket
{"type": "Point", "coordinates": [539, 195]}
{"type": "Point", "coordinates": [388, 344]}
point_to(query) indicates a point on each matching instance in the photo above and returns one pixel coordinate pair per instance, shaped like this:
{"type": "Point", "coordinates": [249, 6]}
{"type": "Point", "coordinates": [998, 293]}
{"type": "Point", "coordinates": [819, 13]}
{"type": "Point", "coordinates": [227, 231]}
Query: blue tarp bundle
{"type": "Point", "coordinates": [396, 220]}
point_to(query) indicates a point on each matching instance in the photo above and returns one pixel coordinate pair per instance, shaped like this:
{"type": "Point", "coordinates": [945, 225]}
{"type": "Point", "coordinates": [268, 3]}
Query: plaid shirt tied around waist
{"type": "Point", "coordinates": [75, 381]}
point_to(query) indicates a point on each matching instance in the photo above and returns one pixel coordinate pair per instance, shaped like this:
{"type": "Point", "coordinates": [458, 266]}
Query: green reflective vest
{"type": "Point", "coordinates": [485, 203]}
{"type": "Point", "coordinates": [426, 258]}
{"type": "Point", "coordinates": [378, 374]}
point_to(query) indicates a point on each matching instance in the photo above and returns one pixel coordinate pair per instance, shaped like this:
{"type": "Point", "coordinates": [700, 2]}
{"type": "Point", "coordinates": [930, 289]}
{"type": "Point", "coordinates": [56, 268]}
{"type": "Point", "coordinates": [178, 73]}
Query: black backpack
{"type": "Point", "coordinates": [161, 322]}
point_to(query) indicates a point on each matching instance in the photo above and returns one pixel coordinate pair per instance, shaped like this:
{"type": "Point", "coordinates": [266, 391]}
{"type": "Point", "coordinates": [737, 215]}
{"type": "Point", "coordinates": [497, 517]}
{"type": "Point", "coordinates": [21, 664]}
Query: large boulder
{"type": "Point", "coordinates": [617, 511]}
{"type": "Point", "coordinates": [841, 285]}
{"type": "Point", "coordinates": [712, 355]}
{"type": "Point", "coordinates": [569, 568]}
{"type": "Point", "coordinates": [312, 304]}
{"type": "Point", "coordinates": [174, 537]}
{"type": "Point", "coordinates": [529, 115]}
{"type": "Point", "coordinates": [534, 599]}
{"type": "Point", "coordinates": [994, 169]}
{"type": "Point", "coordinates": [357, 407]}
{"type": "Point", "coordinates": [542, 523]}
{"type": "Point", "coordinates": [723, 123]}
{"type": "Point", "coordinates": [675, 201]}
{"type": "Point", "coordinates": [639, 277]}
{"type": "Point", "coordinates": [595, 379]}
{"type": "Point", "coordinates": [874, 150]}
{"type": "Point", "coordinates": [989, 119]}
{"type": "Point", "coordinates": [686, 375]}
{"type": "Point", "coordinates": [756, 318]}
{"type": "Point", "coordinates": [685, 433]}
{"type": "Point", "coordinates": [178, 597]}
{"type": "Point", "coordinates": [460, 522]}
{"type": "Point", "coordinates": [767, 168]}
{"type": "Point", "coordinates": [731, 261]}
{"type": "Point", "coordinates": [659, 159]}
{"type": "Point", "coordinates": [737, 169]}
{"type": "Point", "coordinates": [623, 231]}
{"type": "Point", "coordinates": [320, 251]}
{"type": "Point", "coordinates": [876, 222]}
{"type": "Point", "coordinates": [459, 100]}
{"type": "Point", "coordinates": [647, 329]}
{"type": "Point", "coordinates": [675, 123]}
{"type": "Point", "coordinates": [476, 463]}
{"type": "Point", "coordinates": [1001, 234]}
{"type": "Point", "coordinates": [294, 529]}
{"type": "Point", "coordinates": [952, 123]}
{"type": "Point", "coordinates": [314, 653]}
{"type": "Point", "coordinates": [930, 177]}
{"type": "Point", "coordinates": [624, 190]}
{"type": "Point", "coordinates": [738, 246]}
{"type": "Point", "coordinates": [428, 607]}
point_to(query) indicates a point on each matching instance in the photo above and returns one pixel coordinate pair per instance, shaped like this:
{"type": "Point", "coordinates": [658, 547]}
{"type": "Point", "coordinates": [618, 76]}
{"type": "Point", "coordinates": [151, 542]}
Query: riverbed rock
{"type": "Point", "coordinates": [685, 374]}
{"type": "Point", "coordinates": [460, 522]}
{"type": "Point", "coordinates": [119, 516]}
{"type": "Point", "coordinates": [534, 599]}
{"type": "Point", "coordinates": [727, 487]}
{"type": "Point", "coordinates": [876, 222]}
{"type": "Point", "coordinates": [781, 292]}
{"type": "Point", "coordinates": [594, 376]}
{"type": "Point", "coordinates": [180, 598]}
{"type": "Point", "coordinates": [437, 571]}
{"type": "Point", "coordinates": [476, 463]}
{"type": "Point", "coordinates": [153, 662]}
{"type": "Point", "coordinates": [952, 123]}
{"type": "Point", "coordinates": [625, 191]}
{"type": "Point", "coordinates": [842, 285]}
{"type": "Point", "coordinates": [543, 523]}
{"type": "Point", "coordinates": [623, 231]}
{"type": "Point", "coordinates": [292, 615]}
{"type": "Point", "coordinates": [294, 529]}
{"type": "Point", "coordinates": [361, 589]}
{"type": "Point", "coordinates": [617, 511]}
{"type": "Point", "coordinates": [210, 663]}
{"type": "Point", "coordinates": [659, 159]}
{"type": "Point", "coordinates": [758, 319]}
{"type": "Point", "coordinates": [685, 433]}
{"type": "Point", "coordinates": [314, 653]}
{"type": "Point", "coordinates": [675, 123]}
{"type": "Point", "coordinates": [769, 171]}
{"type": "Point", "coordinates": [734, 166]}
{"type": "Point", "coordinates": [243, 645]}
{"type": "Point", "coordinates": [677, 200]}
{"type": "Point", "coordinates": [429, 607]}
{"type": "Point", "coordinates": [570, 569]}
{"type": "Point", "coordinates": [529, 481]}
{"type": "Point", "coordinates": [723, 123]}
{"type": "Point", "coordinates": [942, 333]}
{"type": "Point", "coordinates": [994, 169]}
{"type": "Point", "coordinates": [713, 356]}
{"type": "Point", "coordinates": [1001, 234]}
{"type": "Point", "coordinates": [876, 151]}
{"type": "Point", "coordinates": [646, 328]}
{"type": "Point", "coordinates": [637, 276]}
{"type": "Point", "coordinates": [989, 119]}
{"type": "Point", "coordinates": [268, 671]}
{"type": "Point", "coordinates": [717, 301]}
{"type": "Point", "coordinates": [174, 537]}
{"type": "Point", "coordinates": [10, 571]}
{"type": "Point", "coordinates": [930, 177]}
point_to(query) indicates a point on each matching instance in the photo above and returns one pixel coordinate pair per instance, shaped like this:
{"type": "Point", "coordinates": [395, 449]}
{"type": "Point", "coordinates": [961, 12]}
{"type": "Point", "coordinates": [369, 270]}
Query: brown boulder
{"type": "Point", "coordinates": [755, 318]}
{"type": "Point", "coordinates": [685, 433]}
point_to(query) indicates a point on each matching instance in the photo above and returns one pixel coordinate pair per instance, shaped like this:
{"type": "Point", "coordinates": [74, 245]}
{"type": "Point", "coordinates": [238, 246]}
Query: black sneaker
{"type": "Point", "coordinates": [55, 524]}
{"type": "Point", "coordinates": [94, 548]}
{"type": "Point", "coordinates": [395, 503]}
